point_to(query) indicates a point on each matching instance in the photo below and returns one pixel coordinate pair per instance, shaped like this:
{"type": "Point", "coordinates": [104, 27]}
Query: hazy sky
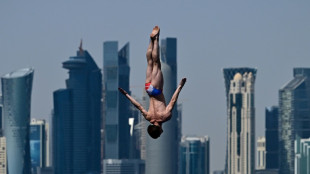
{"type": "Point", "coordinates": [270, 35]}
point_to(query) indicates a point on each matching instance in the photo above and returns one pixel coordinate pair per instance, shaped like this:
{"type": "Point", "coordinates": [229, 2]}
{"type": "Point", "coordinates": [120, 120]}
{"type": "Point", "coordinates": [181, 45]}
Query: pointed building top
{"type": "Point", "coordinates": [81, 46]}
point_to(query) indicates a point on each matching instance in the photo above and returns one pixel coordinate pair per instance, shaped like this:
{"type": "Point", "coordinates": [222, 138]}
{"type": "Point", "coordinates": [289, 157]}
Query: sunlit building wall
{"type": "Point", "coordinates": [261, 153]}
{"type": "Point", "coordinates": [239, 83]}
{"type": "Point", "coordinates": [294, 117]}
{"type": "Point", "coordinates": [16, 91]}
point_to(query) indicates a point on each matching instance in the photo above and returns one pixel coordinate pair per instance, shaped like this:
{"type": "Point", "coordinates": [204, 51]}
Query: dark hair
{"type": "Point", "coordinates": [154, 131]}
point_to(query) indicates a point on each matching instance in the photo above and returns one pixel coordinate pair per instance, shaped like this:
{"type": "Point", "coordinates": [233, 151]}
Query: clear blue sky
{"type": "Point", "coordinates": [272, 36]}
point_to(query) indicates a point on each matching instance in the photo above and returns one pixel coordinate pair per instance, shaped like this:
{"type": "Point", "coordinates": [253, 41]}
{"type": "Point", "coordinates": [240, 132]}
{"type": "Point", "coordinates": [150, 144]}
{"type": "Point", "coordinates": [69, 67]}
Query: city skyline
{"type": "Point", "coordinates": [271, 36]}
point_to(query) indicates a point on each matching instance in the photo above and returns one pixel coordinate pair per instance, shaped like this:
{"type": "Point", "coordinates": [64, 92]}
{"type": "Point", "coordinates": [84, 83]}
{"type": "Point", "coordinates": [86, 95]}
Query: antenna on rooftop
{"type": "Point", "coordinates": [81, 46]}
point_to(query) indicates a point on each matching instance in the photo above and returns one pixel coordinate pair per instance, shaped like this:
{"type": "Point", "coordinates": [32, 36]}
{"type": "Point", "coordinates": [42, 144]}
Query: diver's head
{"type": "Point", "coordinates": [154, 130]}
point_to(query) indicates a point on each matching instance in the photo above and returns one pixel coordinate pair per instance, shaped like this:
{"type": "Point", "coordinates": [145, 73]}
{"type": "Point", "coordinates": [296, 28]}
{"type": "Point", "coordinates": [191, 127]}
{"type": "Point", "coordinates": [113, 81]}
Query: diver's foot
{"type": "Point", "coordinates": [155, 33]}
{"type": "Point", "coordinates": [182, 83]}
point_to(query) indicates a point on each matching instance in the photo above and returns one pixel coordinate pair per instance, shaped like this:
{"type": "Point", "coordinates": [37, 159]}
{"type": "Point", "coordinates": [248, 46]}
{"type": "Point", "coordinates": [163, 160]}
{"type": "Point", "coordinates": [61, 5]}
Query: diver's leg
{"type": "Point", "coordinates": [157, 76]}
{"type": "Point", "coordinates": [149, 60]}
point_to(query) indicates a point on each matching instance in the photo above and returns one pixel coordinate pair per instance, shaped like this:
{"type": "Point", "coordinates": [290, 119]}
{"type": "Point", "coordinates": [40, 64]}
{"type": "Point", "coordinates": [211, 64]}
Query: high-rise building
{"type": "Point", "coordinates": [272, 137]}
{"type": "Point", "coordinates": [294, 117]}
{"type": "Point", "coordinates": [162, 153]}
{"type": "Point", "coordinates": [16, 91]}
{"type": "Point", "coordinates": [195, 155]}
{"type": "Point", "coordinates": [141, 127]}
{"type": "Point", "coordinates": [38, 144]}
{"type": "Point", "coordinates": [3, 157]}
{"type": "Point", "coordinates": [267, 171]}
{"type": "Point", "coordinates": [239, 83]}
{"type": "Point", "coordinates": [218, 172]}
{"type": "Point", "coordinates": [261, 153]}
{"type": "Point", "coordinates": [135, 132]}
{"type": "Point", "coordinates": [1, 106]}
{"type": "Point", "coordinates": [123, 166]}
{"type": "Point", "coordinates": [302, 156]}
{"type": "Point", "coordinates": [116, 107]}
{"type": "Point", "coordinates": [76, 119]}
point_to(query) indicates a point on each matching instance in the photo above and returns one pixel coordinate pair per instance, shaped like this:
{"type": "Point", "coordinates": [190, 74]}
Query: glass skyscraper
{"type": "Point", "coordinates": [3, 156]}
{"type": "Point", "coordinates": [117, 107]}
{"type": "Point", "coordinates": [16, 91]}
{"type": "Point", "coordinates": [76, 119]}
{"type": "Point", "coordinates": [162, 153]}
{"type": "Point", "coordinates": [38, 144]}
{"type": "Point", "coordinates": [302, 156]}
{"type": "Point", "coordinates": [195, 155]}
{"type": "Point", "coordinates": [294, 117]}
{"type": "Point", "coordinates": [240, 157]}
{"type": "Point", "coordinates": [272, 137]}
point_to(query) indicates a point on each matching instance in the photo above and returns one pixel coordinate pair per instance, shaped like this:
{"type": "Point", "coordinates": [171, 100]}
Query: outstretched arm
{"type": "Point", "coordinates": [134, 102]}
{"type": "Point", "coordinates": [175, 96]}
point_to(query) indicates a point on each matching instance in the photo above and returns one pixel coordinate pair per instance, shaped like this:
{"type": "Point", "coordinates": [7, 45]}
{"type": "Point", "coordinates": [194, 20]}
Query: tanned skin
{"type": "Point", "coordinates": [158, 112]}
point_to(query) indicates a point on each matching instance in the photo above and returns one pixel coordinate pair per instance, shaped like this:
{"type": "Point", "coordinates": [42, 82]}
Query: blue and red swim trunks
{"type": "Point", "coordinates": [151, 90]}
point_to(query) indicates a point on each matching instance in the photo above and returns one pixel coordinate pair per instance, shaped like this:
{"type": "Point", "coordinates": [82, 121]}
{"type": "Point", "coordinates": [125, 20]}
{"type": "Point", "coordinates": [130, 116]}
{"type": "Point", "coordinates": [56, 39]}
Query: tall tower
{"type": "Point", "coordinates": [261, 153]}
{"type": "Point", "coordinates": [16, 90]}
{"type": "Point", "coordinates": [38, 144]}
{"type": "Point", "coordinates": [294, 117]}
{"type": "Point", "coordinates": [3, 156]}
{"type": "Point", "coordinates": [117, 107]}
{"type": "Point", "coordinates": [76, 120]}
{"type": "Point", "coordinates": [272, 137]}
{"type": "Point", "coordinates": [240, 157]}
{"type": "Point", "coordinates": [195, 155]}
{"type": "Point", "coordinates": [162, 153]}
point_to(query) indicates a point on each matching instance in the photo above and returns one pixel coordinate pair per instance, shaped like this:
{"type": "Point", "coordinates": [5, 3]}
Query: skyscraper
{"type": "Point", "coordinates": [195, 155]}
{"type": "Point", "coordinates": [261, 153]}
{"type": "Point", "coordinates": [1, 125]}
{"type": "Point", "coordinates": [239, 83]}
{"type": "Point", "coordinates": [294, 117]}
{"type": "Point", "coordinates": [142, 127]}
{"type": "Point", "coordinates": [117, 107]}
{"type": "Point", "coordinates": [76, 119]}
{"type": "Point", "coordinates": [272, 137]}
{"type": "Point", "coordinates": [38, 144]}
{"type": "Point", "coordinates": [162, 153]}
{"type": "Point", "coordinates": [16, 91]}
{"type": "Point", "coordinates": [3, 156]}
{"type": "Point", "coordinates": [124, 166]}
{"type": "Point", "coordinates": [302, 156]}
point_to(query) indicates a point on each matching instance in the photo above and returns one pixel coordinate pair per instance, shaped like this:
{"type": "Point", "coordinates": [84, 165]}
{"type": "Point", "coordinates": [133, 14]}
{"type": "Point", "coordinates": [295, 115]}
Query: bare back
{"type": "Point", "coordinates": [157, 110]}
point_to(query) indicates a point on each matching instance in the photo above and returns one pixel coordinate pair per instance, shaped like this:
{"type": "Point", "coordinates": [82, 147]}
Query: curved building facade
{"type": "Point", "coordinates": [16, 91]}
{"type": "Point", "coordinates": [162, 153]}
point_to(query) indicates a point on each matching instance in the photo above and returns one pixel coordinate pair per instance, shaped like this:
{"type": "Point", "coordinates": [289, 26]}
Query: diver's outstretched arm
{"type": "Point", "coordinates": [175, 96]}
{"type": "Point", "coordinates": [134, 102]}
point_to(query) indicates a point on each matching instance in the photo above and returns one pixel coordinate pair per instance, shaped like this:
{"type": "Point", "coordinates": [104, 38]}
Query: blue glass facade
{"type": "Point", "coordinates": [117, 107]}
{"type": "Point", "coordinates": [76, 120]}
{"type": "Point", "coordinates": [294, 117]}
{"type": "Point", "coordinates": [16, 90]}
{"type": "Point", "coordinates": [162, 154]}
{"type": "Point", "coordinates": [272, 137]}
{"type": "Point", "coordinates": [37, 144]}
{"type": "Point", "coordinates": [195, 155]}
